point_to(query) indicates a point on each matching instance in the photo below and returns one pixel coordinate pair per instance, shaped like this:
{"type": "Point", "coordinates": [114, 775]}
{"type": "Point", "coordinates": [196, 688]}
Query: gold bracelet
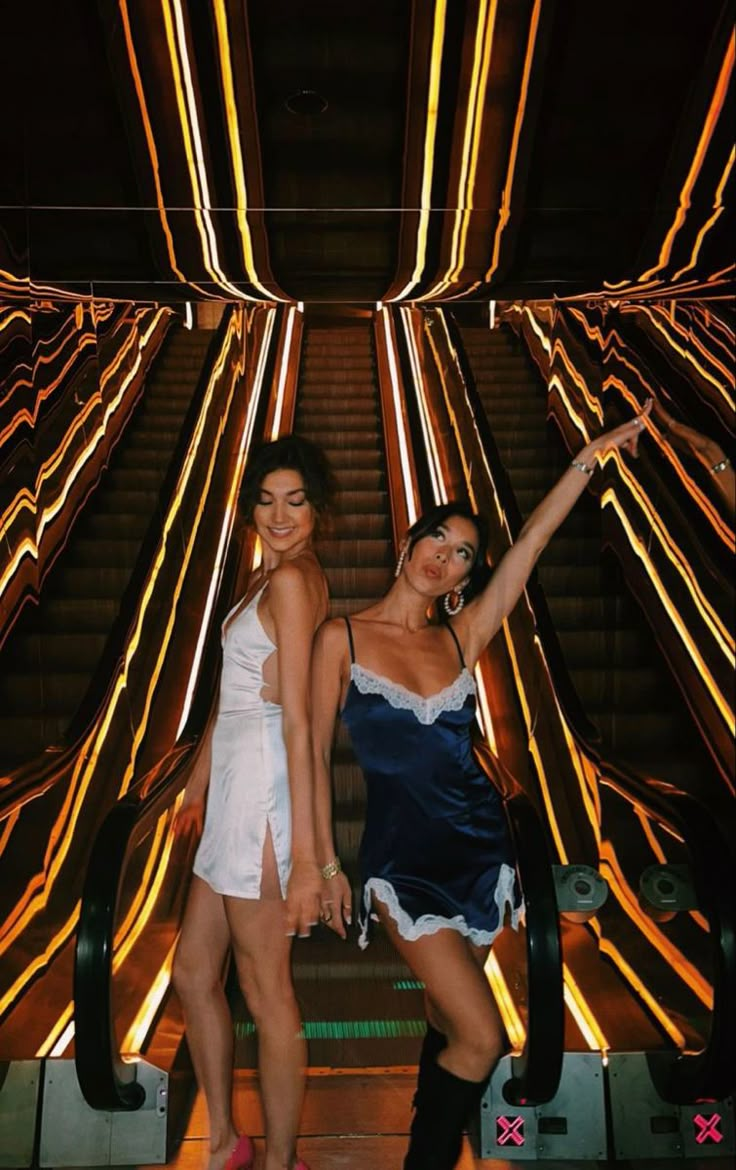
{"type": "Point", "coordinates": [717, 467]}
{"type": "Point", "coordinates": [580, 466]}
{"type": "Point", "coordinates": [332, 869]}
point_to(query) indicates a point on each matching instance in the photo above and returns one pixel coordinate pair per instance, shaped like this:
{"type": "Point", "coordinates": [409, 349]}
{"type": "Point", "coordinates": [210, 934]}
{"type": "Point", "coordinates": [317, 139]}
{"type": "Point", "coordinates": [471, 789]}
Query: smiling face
{"type": "Point", "coordinates": [283, 516]}
{"type": "Point", "coordinates": [442, 560]}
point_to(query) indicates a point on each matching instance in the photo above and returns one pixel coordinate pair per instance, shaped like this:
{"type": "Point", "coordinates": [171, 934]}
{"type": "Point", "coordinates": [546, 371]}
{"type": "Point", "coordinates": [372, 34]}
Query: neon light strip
{"type": "Point", "coordinates": [228, 519]}
{"type": "Point", "coordinates": [685, 203]}
{"type": "Point", "coordinates": [484, 31]}
{"type": "Point", "coordinates": [285, 361]}
{"type": "Point", "coordinates": [505, 212]}
{"type": "Point", "coordinates": [425, 415]}
{"type": "Point", "coordinates": [409, 500]}
{"type": "Point", "coordinates": [236, 151]}
{"type": "Point", "coordinates": [430, 132]}
{"type": "Point", "coordinates": [148, 130]}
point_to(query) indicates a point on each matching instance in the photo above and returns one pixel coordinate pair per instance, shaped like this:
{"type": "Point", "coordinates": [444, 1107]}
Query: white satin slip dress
{"type": "Point", "coordinates": [249, 784]}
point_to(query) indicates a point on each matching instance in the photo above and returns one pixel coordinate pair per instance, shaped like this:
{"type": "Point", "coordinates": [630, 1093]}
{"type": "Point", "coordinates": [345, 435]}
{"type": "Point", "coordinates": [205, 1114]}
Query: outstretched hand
{"type": "Point", "coordinates": [627, 435]}
{"type": "Point", "coordinates": [337, 904]}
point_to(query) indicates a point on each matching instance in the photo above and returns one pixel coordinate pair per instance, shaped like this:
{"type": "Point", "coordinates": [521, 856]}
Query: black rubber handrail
{"type": "Point", "coordinates": [105, 1080]}
{"type": "Point", "coordinates": [711, 1072]}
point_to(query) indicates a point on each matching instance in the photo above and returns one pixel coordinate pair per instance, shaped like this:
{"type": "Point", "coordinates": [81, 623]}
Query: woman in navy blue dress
{"type": "Point", "coordinates": [436, 861]}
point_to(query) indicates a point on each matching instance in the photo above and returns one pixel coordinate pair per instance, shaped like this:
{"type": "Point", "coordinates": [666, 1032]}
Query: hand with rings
{"type": "Point", "coordinates": [336, 904]}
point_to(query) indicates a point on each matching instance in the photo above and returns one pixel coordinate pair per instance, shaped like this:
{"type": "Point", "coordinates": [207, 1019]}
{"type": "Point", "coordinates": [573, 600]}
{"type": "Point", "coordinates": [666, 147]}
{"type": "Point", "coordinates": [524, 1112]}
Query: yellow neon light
{"type": "Point", "coordinates": [409, 500]}
{"type": "Point", "coordinates": [626, 898]}
{"type": "Point", "coordinates": [582, 1013]}
{"type": "Point", "coordinates": [512, 1021]}
{"type": "Point", "coordinates": [236, 151]}
{"type": "Point", "coordinates": [484, 31]}
{"type": "Point", "coordinates": [717, 101]}
{"type": "Point", "coordinates": [505, 210]}
{"type": "Point", "coordinates": [425, 204]}
{"type": "Point", "coordinates": [148, 130]}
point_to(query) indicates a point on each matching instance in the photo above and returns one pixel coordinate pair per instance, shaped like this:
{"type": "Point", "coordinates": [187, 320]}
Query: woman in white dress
{"type": "Point", "coordinates": [256, 880]}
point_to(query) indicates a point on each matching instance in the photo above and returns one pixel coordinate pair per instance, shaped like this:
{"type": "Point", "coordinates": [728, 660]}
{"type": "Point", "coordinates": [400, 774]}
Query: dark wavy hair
{"type": "Point", "coordinates": [293, 453]}
{"type": "Point", "coordinates": [479, 574]}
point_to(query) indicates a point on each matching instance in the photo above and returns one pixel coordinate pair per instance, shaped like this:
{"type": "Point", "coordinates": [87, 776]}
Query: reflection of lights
{"type": "Point", "coordinates": [425, 415]}
{"type": "Point", "coordinates": [236, 150]}
{"type": "Point", "coordinates": [433, 97]}
{"type": "Point", "coordinates": [718, 204]}
{"type": "Point", "coordinates": [650, 1001]}
{"type": "Point", "coordinates": [685, 202]}
{"type": "Point", "coordinates": [505, 210]}
{"type": "Point", "coordinates": [41, 513]}
{"type": "Point", "coordinates": [281, 384]}
{"type": "Point", "coordinates": [228, 519]}
{"type": "Point", "coordinates": [627, 899]}
{"type": "Point", "coordinates": [485, 25]}
{"type": "Point", "coordinates": [581, 1012]}
{"type": "Point", "coordinates": [400, 421]}
{"type": "Point", "coordinates": [512, 1021]}
{"type": "Point", "coordinates": [36, 895]}
{"type": "Point", "coordinates": [684, 571]}
{"type": "Point", "coordinates": [136, 1035]}
{"type": "Point", "coordinates": [148, 130]}
{"type": "Point", "coordinates": [192, 138]}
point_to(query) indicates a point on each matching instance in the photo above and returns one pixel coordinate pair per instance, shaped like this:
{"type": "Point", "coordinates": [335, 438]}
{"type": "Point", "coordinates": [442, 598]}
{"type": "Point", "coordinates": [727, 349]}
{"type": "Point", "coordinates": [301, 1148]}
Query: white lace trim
{"type": "Point", "coordinates": [450, 698]}
{"type": "Point", "coordinates": [430, 923]}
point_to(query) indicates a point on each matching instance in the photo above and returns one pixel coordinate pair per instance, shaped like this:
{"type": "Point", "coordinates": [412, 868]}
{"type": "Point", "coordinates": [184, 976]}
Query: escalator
{"type": "Point", "coordinates": [610, 652]}
{"type": "Point", "coordinates": [361, 1011]}
{"type": "Point", "coordinates": [49, 658]}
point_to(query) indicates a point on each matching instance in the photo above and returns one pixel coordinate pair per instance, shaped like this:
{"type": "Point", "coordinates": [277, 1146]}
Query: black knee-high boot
{"type": "Point", "coordinates": [444, 1103]}
{"type": "Point", "coordinates": [433, 1043]}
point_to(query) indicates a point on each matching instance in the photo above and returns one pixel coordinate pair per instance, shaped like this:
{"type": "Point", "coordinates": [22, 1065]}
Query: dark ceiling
{"type": "Point", "coordinates": [334, 151]}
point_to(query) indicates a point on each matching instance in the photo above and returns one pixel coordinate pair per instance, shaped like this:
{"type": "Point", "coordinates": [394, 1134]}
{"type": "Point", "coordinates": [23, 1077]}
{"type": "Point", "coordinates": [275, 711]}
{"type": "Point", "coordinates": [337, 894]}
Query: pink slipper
{"type": "Point", "coordinates": [242, 1156]}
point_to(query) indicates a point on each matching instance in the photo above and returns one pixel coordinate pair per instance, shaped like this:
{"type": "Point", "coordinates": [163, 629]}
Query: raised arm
{"type": "Point", "coordinates": [329, 667]}
{"type": "Point", "coordinates": [295, 611]}
{"type": "Point", "coordinates": [480, 620]}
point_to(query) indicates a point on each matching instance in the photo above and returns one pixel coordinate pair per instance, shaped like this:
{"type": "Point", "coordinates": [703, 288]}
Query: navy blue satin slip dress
{"type": "Point", "coordinates": [435, 849]}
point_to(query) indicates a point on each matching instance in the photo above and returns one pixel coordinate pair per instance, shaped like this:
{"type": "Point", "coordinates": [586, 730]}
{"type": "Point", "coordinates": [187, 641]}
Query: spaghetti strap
{"type": "Point", "coordinates": [457, 643]}
{"type": "Point", "coordinates": [350, 640]}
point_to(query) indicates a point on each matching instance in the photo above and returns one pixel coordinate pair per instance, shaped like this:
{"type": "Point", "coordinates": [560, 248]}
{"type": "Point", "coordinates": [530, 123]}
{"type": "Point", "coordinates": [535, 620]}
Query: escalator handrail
{"type": "Point", "coordinates": [689, 818]}
{"type": "Point", "coordinates": [537, 1070]}
{"type": "Point", "coordinates": [104, 1078]}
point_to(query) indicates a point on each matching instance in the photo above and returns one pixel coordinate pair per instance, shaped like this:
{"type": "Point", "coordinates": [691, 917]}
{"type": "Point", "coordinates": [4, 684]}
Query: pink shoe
{"type": "Point", "coordinates": [242, 1156]}
{"type": "Point", "coordinates": [299, 1165]}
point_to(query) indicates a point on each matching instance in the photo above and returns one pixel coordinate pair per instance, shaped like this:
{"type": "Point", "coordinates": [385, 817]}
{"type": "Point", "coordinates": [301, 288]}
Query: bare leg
{"type": "Point", "coordinates": [198, 978]}
{"type": "Point", "coordinates": [459, 1000]}
{"type": "Point", "coordinates": [262, 952]}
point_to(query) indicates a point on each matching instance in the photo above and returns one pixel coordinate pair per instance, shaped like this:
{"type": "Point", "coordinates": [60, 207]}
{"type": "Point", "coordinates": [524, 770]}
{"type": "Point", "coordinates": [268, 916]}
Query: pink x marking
{"type": "Point", "coordinates": [510, 1129]}
{"type": "Point", "coordinates": [707, 1128]}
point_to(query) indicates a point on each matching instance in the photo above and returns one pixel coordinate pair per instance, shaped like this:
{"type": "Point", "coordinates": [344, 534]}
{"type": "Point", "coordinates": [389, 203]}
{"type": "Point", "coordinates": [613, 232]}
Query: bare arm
{"type": "Point", "coordinates": [329, 666]}
{"type": "Point", "coordinates": [483, 617]}
{"type": "Point", "coordinates": [295, 614]}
